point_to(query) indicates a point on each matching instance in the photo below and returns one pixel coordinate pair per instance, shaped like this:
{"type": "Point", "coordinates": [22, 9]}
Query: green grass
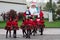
{"type": "Point", "coordinates": [19, 23]}
{"type": "Point", "coordinates": [55, 24]}
{"type": "Point", "coordinates": [2, 24]}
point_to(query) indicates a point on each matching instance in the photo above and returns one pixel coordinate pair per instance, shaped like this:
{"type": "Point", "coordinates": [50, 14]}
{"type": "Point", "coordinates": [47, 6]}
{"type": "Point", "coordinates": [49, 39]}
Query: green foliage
{"type": "Point", "coordinates": [58, 2]}
{"type": "Point", "coordinates": [51, 7]}
{"type": "Point", "coordinates": [54, 7]}
{"type": "Point", "coordinates": [58, 11]}
{"type": "Point", "coordinates": [48, 6]}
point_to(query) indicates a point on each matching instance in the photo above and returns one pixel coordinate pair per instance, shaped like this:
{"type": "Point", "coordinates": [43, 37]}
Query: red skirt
{"type": "Point", "coordinates": [15, 28]}
{"type": "Point", "coordinates": [8, 28]}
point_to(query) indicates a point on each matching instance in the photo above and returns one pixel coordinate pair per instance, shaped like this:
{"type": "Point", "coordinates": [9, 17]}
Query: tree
{"type": "Point", "coordinates": [51, 7]}
{"type": "Point", "coordinates": [58, 2]}
{"type": "Point", "coordinates": [48, 6]}
{"type": "Point", "coordinates": [58, 11]}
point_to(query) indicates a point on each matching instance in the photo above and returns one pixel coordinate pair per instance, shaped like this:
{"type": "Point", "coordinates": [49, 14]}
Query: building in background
{"type": "Point", "coordinates": [18, 5]}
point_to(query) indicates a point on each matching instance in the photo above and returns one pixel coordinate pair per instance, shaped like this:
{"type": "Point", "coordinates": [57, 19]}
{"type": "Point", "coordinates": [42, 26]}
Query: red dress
{"type": "Point", "coordinates": [29, 24]}
{"type": "Point", "coordinates": [37, 21]}
{"type": "Point", "coordinates": [23, 26]}
{"type": "Point", "coordinates": [15, 25]}
{"type": "Point", "coordinates": [8, 25]}
{"type": "Point", "coordinates": [42, 23]}
{"type": "Point", "coordinates": [34, 24]}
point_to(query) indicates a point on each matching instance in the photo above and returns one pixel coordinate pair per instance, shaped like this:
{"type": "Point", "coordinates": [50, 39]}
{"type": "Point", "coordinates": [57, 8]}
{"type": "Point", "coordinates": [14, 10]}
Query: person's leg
{"type": "Point", "coordinates": [14, 33]}
{"type": "Point", "coordinates": [34, 32]}
{"type": "Point", "coordinates": [6, 33]}
{"type": "Point", "coordinates": [9, 33]}
{"type": "Point", "coordinates": [23, 32]}
{"type": "Point", "coordinates": [28, 33]}
{"type": "Point", "coordinates": [41, 30]}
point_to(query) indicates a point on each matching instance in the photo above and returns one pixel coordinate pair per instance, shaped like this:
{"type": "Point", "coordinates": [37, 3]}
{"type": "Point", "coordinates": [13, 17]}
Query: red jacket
{"type": "Point", "coordinates": [25, 22]}
{"type": "Point", "coordinates": [41, 14]}
{"type": "Point", "coordinates": [42, 22]}
{"type": "Point", "coordinates": [8, 23]}
{"type": "Point", "coordinates": [29, 23]}
{"type": "Point", "coordinates": [15, 24]}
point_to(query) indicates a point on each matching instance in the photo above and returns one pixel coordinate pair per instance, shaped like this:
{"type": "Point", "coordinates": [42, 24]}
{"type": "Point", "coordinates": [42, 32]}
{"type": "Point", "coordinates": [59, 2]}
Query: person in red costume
{"type": "Point", "coordinates": [23, 27]}
{"type": "Point", "coordinates": [24, 14]}
{"type": "Point", "coordinates": [15, 27]}
{"type": "Point", "coordinates": [37, 21]}
{"type": "Point", "coordinates": [8, 27]}
{"type": "Point", "coordinates": [34, 28]}
{"type": "Point", "coordinates": [29, 27]}
{"type": "Point", "coordinates": [42, 22]}
{"type": "Point", "coordinates": [41, 14]}
{"type": "Point", "coordinates": [42, 25]}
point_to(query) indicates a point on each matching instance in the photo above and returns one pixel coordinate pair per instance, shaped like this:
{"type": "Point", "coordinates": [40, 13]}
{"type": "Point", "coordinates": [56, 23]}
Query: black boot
{"type": "Point", "coordinates": [7, 34]}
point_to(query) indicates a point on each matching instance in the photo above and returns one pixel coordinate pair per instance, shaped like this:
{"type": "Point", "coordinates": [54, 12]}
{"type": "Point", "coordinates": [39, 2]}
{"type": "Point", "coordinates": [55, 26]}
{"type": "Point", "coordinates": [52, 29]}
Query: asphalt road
{"type": "Point", "coordinates": [37, 37]}
{"type": "Point", "coordinates": [49, 34]}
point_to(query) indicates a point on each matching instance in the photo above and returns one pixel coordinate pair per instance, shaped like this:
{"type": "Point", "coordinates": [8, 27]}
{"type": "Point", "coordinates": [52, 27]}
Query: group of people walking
{"type": "Point", "coordinates": [30, 26]}
{"type": "Point", "coordinates": [11, 25]}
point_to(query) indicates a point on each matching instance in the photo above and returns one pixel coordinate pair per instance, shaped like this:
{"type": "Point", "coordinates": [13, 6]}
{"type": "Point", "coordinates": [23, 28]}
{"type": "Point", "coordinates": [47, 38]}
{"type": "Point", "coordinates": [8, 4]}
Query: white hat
{"type": "Point", "coordinates": [33, 3]}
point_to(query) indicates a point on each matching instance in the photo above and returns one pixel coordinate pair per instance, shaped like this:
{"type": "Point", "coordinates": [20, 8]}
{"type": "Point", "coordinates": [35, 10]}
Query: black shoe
{"type": "Point", "coordinates": [15, 37]}
{"type": "Point", "coordinates": [24, 35]}
{"type": "Point", "coordinates": [10, 36]}
{"type": "Point", "coordinates": [6, 37]}
{"type": "Point", "coordinates": [33, 34]}
{"type": "Point", "coordinates": [30, 33]}
{"type": "Point", "coordinates": [41, 34]}
{"type": "Point", "coordinates": [28, 37]}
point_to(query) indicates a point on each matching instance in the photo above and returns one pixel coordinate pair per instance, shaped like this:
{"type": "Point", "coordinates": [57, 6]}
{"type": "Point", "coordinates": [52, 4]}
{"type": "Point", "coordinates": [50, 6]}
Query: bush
{"type": "Point", "coordinates": [58, 13]}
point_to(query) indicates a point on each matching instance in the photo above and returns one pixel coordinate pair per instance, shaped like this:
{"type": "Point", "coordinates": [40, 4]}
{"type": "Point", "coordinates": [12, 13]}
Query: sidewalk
{"type": "Point", "coordinates": [46, 31]}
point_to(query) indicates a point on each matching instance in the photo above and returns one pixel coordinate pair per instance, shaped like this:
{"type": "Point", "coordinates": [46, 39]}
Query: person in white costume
{"type": "Point", "coordinates": [28, 12]}
{"type": "Point", "coordinates": [33, 9]}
